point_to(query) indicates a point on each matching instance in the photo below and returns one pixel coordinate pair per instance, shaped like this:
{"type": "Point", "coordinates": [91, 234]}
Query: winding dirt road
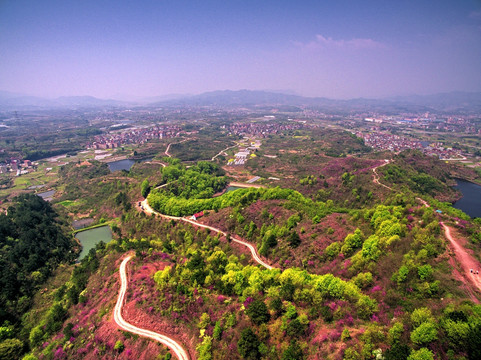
{"type": "Point", "coordinates": [224, 151]}
{"type": "Point", "coordinates": [148, 209]}
{"type": "Point", "coordinates": [376, 175]}
{"type": "Point", "coordinates": [176, 348]}
{"type": "Point", "coordinates": [467, 262]}
{"type": "Point", "coordinates": [168, 147]}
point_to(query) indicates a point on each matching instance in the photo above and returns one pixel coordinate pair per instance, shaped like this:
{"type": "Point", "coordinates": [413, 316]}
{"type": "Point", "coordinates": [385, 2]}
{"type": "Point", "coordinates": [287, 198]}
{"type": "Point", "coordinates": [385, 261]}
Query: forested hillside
{"type": "Point", "coordinates": [32, 245]}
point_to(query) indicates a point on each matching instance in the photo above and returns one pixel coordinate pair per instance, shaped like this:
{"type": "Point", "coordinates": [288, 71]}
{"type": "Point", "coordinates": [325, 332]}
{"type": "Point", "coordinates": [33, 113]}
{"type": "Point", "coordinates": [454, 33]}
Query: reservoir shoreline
{"type": "Point", "coordinates": [470, 202]}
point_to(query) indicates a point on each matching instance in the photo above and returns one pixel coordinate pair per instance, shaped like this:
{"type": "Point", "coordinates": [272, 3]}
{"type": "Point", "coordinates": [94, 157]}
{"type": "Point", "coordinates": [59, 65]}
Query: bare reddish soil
{"type": "Point", "coordinates": [94, 326]}
{"type": "Point", "coordinates": [141, 286]}
{"type": "Point", "coordinates": [465, 264]}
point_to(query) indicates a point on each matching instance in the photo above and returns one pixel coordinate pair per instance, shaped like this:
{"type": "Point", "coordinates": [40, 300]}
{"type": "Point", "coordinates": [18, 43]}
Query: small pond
{"type": "Point", "coordinates": [33, 187]}
{"type": "Point", "coordinates": [232, 188]}
{"type": "Point", "coordinates": [90, 238]}
{"type": "Point", "coordinates": [125, 164]}
{"type": "Point", "coordinates": [470, 203]}
{"type": "Point", "coordinates": [47, 195]}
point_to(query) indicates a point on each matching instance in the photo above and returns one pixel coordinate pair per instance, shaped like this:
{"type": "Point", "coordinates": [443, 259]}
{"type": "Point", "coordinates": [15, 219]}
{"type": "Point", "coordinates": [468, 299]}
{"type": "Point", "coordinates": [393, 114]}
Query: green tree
{"type": "Point", "coordinates": [352, 354]}
{"type": "Point", "coordinates": [55, 317]}
{"type": "Point", "coordinates": [295, 328]}
{"type": "Point", "coordinates": [402, 274]}
{"type": "Point", "coordinates": [248, 345]}
{"type": "Point", "coordinates": [425, 272]}
{"type": "Point", "coordinates": [119, 346]}
{"type": "Point", "coordinates": [421, 354]}
{"type": "Point", "coordinates": [205, 349]}
{"type": "Point", "coordinates": [457, 332]}
{"type": "Point", "coordinates": [424, 333]}
{"type": "Point", "coordinates": [421, 315]}
{"type": "Point", "coordinates": [276, 306]}
{"type": "Point", "coordinates": [36, 335]}
{"type": "Point", "coordinates": [370, 248]}
{"type": "Point", "coordinates": [217, 334]}
{"type": "Point", "coordinates": [474, 341]}
{"type": "Point", "coordinates": [395, 332]}
{"type": "Point", "coordinates": [294, 239]}
{"type": "Point", "coordinates": [293, 352]}
{"type": "Point", "coordinates": [204, 321]}
{"type": "Point", "coordinates": [32, 244]}
{"type": "Point", "coordinates": [270, 239]}
{"type": "Point", "coordinates": [11, 349]}
{"type": "Point", "coordinates": [293, 221]}
{"type": "Point", "coordinates": [332, 250]}
{"type": "Point", "coordinates": [351, 242]}
{"type": "Point", "coordinates": [258, 312]}
{"type": "Point", "coordinates": [29, 357]}
{"type": "Point", "coordinates": [397, 351]}
{"type": "Point", "coordinates": [6, 331]}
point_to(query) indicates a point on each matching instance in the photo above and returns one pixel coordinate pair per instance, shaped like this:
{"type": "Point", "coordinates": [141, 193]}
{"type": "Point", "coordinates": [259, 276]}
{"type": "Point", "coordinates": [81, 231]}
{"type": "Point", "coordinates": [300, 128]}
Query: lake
{"type": "Point", "coordinates": [125, 164]}
{"type": "Point", "coordinates": [90, 238]}
{"type": "Point", "coordinates": [470, 203]}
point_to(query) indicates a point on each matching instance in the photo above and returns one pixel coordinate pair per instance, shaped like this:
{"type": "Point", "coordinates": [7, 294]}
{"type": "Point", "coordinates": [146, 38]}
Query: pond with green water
{"type": "Point", "coordinates": [90, 238]}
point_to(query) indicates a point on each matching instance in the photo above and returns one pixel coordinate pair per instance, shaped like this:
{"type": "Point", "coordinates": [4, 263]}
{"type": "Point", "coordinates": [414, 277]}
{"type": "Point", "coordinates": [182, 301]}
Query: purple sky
{"type": "Point", "coordinates": [336, 49]}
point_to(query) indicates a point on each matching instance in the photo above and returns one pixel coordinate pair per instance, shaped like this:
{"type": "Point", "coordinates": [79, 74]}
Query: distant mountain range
{"type": "Point", "coordinates": [452, 102]}
{"type": "Point", "coordinates": [12, 101]}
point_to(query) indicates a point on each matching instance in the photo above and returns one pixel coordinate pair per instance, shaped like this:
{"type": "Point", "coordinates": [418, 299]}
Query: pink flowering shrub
{"type": "Point", "coordinates": [60, 354]}
{"type": "Point", "coordinates": [335, 335]}
{"type": "Point", "coordinates": [248, 301]}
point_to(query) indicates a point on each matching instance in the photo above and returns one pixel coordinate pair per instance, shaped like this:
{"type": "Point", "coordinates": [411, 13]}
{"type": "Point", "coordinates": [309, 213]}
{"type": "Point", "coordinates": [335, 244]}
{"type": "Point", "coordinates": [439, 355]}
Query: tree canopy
{"type": "Point", "coordinates": [32, 244]}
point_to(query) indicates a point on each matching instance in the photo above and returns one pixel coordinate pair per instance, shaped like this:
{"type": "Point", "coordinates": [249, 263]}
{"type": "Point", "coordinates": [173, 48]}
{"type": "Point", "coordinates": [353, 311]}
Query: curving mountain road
{"type": "Point", "coordinates": [255, 256]}
{"type": "Point", "coordinates": [176, 348]}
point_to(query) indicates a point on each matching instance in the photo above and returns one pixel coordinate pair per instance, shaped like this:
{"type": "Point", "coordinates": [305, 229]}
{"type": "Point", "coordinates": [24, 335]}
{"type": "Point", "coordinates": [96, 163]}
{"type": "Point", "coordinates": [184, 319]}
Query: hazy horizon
{"type": "Point", "coordinates": [333, 49]}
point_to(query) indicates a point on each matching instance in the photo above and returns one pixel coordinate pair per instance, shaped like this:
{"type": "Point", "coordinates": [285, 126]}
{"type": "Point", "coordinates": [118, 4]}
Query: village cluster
{"type": "Point", "coordinates": [19, 167]}
{"type": "Point", "coordinates": [465, 124]}
{"type": "Point", "coordinates": [395, 143]}
{"type": "Point", "coordinates": [114, 140]}
{"type": "Point", "coordinates": [261, 129]}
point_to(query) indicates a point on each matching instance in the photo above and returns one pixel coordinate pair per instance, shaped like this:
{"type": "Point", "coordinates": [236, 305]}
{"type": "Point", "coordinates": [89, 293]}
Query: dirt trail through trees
{"type": "Point", "coordinates": [468, 263]}
{"type": "Point", "coordinates": [147, 209]}
{"type": "Point", "coordinates": [223, 152]}
{"type": "Point", "coordinates": [176, 348]}
{"type": "Point", "coordinates": [469, 266]}
{"type": "Point", "coordinates": [168, 147]}
{"type": "Point", "coordinates": [376, 175]}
